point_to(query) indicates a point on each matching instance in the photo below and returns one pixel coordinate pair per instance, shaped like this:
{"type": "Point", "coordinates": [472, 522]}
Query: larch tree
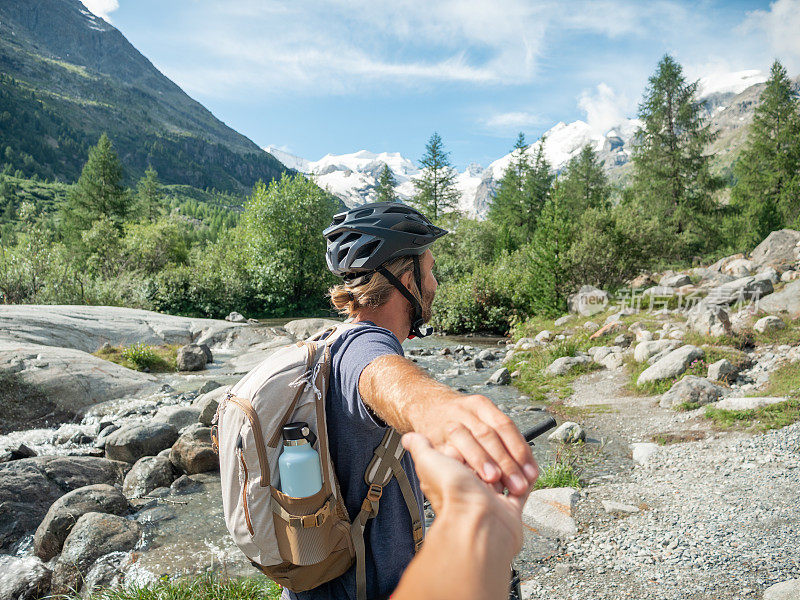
{"type": "Point", "coordinates": [436, 193]}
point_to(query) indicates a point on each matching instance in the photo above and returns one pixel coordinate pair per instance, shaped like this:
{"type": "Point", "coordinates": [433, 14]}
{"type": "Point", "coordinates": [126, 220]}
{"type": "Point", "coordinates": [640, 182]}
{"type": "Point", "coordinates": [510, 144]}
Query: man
{"type": "Point", "coordinates": [382, 251]}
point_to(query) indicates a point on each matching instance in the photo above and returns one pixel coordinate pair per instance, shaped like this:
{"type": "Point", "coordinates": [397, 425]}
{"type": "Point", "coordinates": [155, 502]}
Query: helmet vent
{"type": "Point", "coordinates": [367, 249]}
{"type": "Point", "coordinates": [361, 213]}
{"type": "Point", "coordinates": [399, 209]}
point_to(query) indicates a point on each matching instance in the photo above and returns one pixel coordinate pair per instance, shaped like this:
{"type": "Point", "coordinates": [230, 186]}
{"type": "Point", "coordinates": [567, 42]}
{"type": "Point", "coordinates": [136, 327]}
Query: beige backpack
{"type": "Point", "coordinates": [300, 543]}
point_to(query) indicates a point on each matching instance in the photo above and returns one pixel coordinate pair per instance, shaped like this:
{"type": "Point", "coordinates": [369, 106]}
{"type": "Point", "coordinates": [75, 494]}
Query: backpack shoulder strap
{"type": "Point", "coordinates": [384, 465]}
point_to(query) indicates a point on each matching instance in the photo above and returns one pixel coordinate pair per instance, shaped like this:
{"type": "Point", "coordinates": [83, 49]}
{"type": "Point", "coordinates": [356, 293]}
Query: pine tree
{"type": "Point", "coordinates": [671, 176]}
{"type": "Point", "coordinates": [521, 195]}
{"type": "Point", "coordinates": [767, 189]}
{"type": "Point", "coordinates": [98, 192]}
{"type": "Point", "coordinates": [436, 193]}
{"type": "Point", "coordinates": [583, 184]}
{"type": "Point", "coordinates": [386, 184]}
{"type": "Point", "coordinates": [148, 196]}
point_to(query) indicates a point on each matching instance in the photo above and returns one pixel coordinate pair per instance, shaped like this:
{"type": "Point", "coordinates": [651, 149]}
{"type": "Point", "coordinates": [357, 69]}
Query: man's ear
{"type": "Point", "coordinates": [407, 279]}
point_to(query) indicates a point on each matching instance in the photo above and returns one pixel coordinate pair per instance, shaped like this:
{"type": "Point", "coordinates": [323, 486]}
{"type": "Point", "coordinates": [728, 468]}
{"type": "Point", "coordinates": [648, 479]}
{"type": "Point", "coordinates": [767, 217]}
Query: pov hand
{"type": "Point", "coordinates": [473, 430]}
{"type": "Point", "coordinates": [453, 489]}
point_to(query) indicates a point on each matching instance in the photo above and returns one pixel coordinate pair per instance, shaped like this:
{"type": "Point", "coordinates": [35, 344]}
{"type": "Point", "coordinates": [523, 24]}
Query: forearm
{"type": "Point", "coordinates": [464, 556]}
{"type": "Point", "coordinates": [401, 393]}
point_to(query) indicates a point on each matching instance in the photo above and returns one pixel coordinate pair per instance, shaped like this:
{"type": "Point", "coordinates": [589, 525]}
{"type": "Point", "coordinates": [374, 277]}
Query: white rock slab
{"type": "Point", "coordinates": [786, 590]}
{"type": "Point", "coordinates": [549, 512]}
{"type": "Point", "coordinates": [642, 451]}
{"type": "Point", "coordinates": [747, 403]}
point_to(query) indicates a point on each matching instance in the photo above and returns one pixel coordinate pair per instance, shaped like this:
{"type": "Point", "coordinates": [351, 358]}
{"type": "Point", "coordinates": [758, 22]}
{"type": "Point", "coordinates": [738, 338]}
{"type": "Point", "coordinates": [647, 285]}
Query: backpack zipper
{"type": "Point", "coordinates": [251, 415]}
{"type": "Point", "coordinates": [243, 466]}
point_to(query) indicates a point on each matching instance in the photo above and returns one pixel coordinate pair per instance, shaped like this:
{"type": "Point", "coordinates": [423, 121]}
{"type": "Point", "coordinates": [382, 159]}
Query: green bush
{"type": "Point", "coordinates": [141, 356]}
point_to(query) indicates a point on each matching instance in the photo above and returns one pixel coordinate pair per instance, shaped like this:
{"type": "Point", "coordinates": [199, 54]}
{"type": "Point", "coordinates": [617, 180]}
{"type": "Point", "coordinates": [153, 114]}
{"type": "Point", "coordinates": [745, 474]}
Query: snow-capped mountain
{"type": "Point", "coordinates": [354, 177]}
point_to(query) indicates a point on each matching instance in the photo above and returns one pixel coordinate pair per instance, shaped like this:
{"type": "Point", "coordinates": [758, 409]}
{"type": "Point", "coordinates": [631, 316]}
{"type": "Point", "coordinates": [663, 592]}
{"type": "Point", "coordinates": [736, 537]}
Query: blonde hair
{"type": "Point", "coordinates": [349, 299]}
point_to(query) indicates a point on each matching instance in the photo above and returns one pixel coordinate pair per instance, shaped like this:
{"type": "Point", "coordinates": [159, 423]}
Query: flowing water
{"type": "Point", "coordinates": [184, 528]}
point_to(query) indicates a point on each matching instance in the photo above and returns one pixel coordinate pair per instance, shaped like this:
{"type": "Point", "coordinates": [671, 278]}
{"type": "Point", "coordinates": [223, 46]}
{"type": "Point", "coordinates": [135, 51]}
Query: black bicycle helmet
{"type": "Point", "coordinates": [363, 239]}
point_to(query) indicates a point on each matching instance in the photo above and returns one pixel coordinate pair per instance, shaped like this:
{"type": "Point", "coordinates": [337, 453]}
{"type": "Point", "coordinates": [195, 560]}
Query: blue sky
{"type": "Point", "coordinates": [336, 76]}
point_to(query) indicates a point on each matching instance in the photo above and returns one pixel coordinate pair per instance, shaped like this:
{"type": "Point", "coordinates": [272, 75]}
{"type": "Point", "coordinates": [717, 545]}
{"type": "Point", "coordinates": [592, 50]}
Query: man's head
{"type": "Point", "coordinates": [381, 249]}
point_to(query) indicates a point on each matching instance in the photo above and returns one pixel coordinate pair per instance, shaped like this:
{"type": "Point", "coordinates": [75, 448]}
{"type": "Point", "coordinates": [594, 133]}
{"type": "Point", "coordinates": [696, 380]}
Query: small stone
{"type": "Point", "coordinates": [722, 370]}
{"type": "Point", "coordinates": [208, 386]}
{"type": "Point", "coordinates": [565, 364]}
{"type": "Point", "coordinates": [769, 323]}
{"type": "Point", "coordinates": [544, 336]}
{"type": "Point", "coordinates": [500, 377]}
{"type": "Point", "coordinates": [618, 508]}
{"type": "Point", "coordinates": [236, 317]}
{"type": "Point", "coordinates": [561, 321]}
{"type": "Point", "coordinates": [568, 433]}
{"type": "Point", "coordinates": [477, 363]}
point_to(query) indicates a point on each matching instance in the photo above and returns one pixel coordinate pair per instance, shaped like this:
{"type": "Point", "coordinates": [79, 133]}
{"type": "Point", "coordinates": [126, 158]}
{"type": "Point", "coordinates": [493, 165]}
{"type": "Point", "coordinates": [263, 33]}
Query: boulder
{"type": "Point", "coordinates": [487, 354]}
{"type": "Point", "coordinates": [675, 281]}
{"type": "Point", "coordinates": [543, 336]}
{"type": "Point", "coordinates": [64, 512]}
{"type": "Point", "coordinates": [107, 572]}
{"type": "Point", "coordinates": [646, 350]}
{"type": "Point", "coordinates": [236, 317]}
{"type": "Point", "coordinates": [178, 416]}
{"type": "Point", "coordinates": [208, 386]}
{"type": "Point", "coordinates": [31, 485]}
{"type": "Point", "coordinates": [191, 358]}
{"type": "Point", "coordinates": [207, 351]}
{"type": "Point", "coordinates": [722, 370]}
{"type": "Point", "coordinates": [500, 377]}
{"type": "Point", "coordinates": [563, 365]}
{"type": "Point", "coordinates": [523, 342]}
{"type": "Point", "coordinates": [591, 326]}
{"type": "Point", "coordinates": [779, 249]}
{"type": "Point", "coordinates": [642, 281]}
{"type": "Point", "coordinates": [642, 451]}
{"type": "Point", "coordinates": [730, 403]}
{"type": "Point", "coordinates": [769, 273]}
{"type": "Point", "coordinates": [741, 267]}
{"type": "Point", "coordinates": [568, 433]}
{"type": "Point", "coordinates": [769, 323]}
{"type": "Point", "coordinates": [588, 301]}
{"type": "Point", "coordinates": [744, 289]}
{"type": "Point", "coordinates": [208, 403]}
{"type": "Point", "coordinates": [709, 319]}
{"type": "Point", "coordinates": [786, 590]}
{"type": "Point", "coordinates": [23, 578]}
{"type": "Point", "coordinates": [548, 512]}
{"type": "Point", "coordinates": [691, 389]}
{"type": "Point", "coordinates": [561, 321]}
{"type": "Point", "coordinates": [477, 363]}
{"type": "Point", "coordinates": [786, 302]}
{"type": "Point", "coordinates": [94, 535]}
{"type": "Point", "coordinates": [147, 474]}
{"type": "Point", "coordinates": [612, 361]}
{"type": "Point", "coordinates": [193, 453]}
{"type": "Point", "coordinates": [132, 442]}
{"type": "Point", "coordinates": [17, 452]}
{"type": "Point", "coordinates": [303, 329]}
{"type": "Point", "coordinates": [608, 329]}
{"type": "Point", "coordinates": [788, 276]}
{"type": "Point", "coordinates": [671, 365]}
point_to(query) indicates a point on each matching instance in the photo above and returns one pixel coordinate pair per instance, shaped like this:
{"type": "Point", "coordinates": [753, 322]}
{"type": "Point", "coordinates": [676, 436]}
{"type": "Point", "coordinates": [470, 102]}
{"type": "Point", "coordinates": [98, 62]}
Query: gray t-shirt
{"type": "Point", "coordinates": [353, 434]}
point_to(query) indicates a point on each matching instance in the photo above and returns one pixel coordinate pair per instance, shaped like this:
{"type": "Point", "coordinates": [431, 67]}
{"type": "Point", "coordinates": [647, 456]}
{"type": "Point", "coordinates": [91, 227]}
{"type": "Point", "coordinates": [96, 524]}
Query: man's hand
{"type": "Point", "coordinates": [468, 428]}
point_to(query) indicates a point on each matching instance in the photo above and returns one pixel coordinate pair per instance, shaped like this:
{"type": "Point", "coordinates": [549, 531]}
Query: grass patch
{"type": "Point", "coordinates": [203, 587]}
{"type": "Point", "coordinates": [784, 381]}
{"type": "Point", "coordinates": [558, 475]}
{"type": "Point", "coordinates": [686, 406]}
{"type": "Point", "coordinates": [773, 416]}
{"type": "Point", "coordinates": [666, 438]}
{"type": "Point", "coordinates": [139, 357]}
{"type": "Point", "coordinates": [788, 335]}
{"type": "Point", "coordinates": [738, 341]}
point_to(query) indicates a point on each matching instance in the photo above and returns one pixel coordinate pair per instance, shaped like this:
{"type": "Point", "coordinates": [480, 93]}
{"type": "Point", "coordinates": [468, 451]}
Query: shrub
{"type": "Point", "coordinates": [141, 356]}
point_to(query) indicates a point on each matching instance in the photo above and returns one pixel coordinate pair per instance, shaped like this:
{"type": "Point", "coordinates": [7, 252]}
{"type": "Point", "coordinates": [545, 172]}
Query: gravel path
{"type": "Point", "coordinates": [716, 519]}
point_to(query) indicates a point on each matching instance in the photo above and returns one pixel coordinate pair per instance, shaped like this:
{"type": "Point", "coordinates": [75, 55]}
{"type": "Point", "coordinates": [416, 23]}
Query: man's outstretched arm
{"type": "Point", "coordinates": [469, 428]}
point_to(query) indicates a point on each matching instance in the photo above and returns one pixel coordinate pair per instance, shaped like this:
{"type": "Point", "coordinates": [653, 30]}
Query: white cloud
{"type": "Point", "coordinates": [102, 8]}
{"type": "Point", "coordinates": [604, 108]}
{"type": "Point", "coordinates": [780, 26]}
{"type": "Point", "coordinates": [513, 121]}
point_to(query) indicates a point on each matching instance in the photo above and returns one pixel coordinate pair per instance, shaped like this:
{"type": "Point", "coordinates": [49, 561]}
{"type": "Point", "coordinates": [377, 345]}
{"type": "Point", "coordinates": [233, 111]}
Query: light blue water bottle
{"type": "Point", "coordinates": [299, 464]}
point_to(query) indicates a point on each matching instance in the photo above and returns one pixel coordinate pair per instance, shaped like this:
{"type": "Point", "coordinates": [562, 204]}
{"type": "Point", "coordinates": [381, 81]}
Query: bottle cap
{"type": "Point", "coordinates": [296, 432]}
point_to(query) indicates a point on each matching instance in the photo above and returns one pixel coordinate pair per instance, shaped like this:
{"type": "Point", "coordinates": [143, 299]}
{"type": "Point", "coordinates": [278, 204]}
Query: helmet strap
{"type": "Point", "coordinates": [418, 327]}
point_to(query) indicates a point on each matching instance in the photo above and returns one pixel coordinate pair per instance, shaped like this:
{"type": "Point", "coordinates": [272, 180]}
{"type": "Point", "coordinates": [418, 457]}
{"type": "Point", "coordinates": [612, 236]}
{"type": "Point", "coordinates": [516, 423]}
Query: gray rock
{"type": "Point", "coordinates": [769, 273]}
{"type": "Point", "coordinates": [740, 267]}
{"type": "Point", "coordinates": [671, 365]}
{"type": "Point", "coordinates": [94, 535]}
{"type": "Point", "coordinates": [786, 590]}
{"type": "Point", "coordinates": [100, 441]}
{"type": "Point", "coordinates": [544, 336]}
{"type": "Point", "coordinates": [23, 578]}
{"type": "Point", "coordinates": [207, 351]}
{"type": "Point", "coordinates": [454, 372]}
{"type": "Point", "coordinates": [786, 302]}
{"type": "Point", "coordinates": [646, 350]}
{"type": "Point", "coordinates": [178, 416]}
{"type": "Point", "coordinates": [147, 474]}
{"type": "Point", "coordinates": [31, 485]}
{"type": "Point", "coordinates": [591, 326]}
{"type": "Point", "coordinates": [18, 452]}
{"type": "Point", "coordinates": [769, 323]}
{"type": "Point", "coordinates": [561, 321]}
{"type": "Point", "coordinates": [618, 508]}
{"type": "Point", "coordinates": [548, 512]}
{"type": "Point", "coordinates": [709, 319]}
{"type": "Point", "coordinates": [744, 289]}
{"type": "Point", "coordinates": [132, 442]}
{"type": "Point", "coordinates": [193, 453]}
{"type": "Point", "coordinates": [107, 572]}
{"type": "Point", "coordinates": [303, 329]}
{"type": "Point", "coordinates": [236, 317]}
{"type": "Point", "coordinates": [62, 515]}
{"type": "Point", "coordinates": [568, 433]}
{"type": "Point", "coordinates": [500, 377]}
{"type": "Point", "coordinates": [588, 301]}
{"type": "Point", "coordinates": [722, 370]}
{"type": "Point", "coordinates": [691, 389]}
{"type": "Point", "coordinates": [208, 386]}
{"type": "Point", "coordinates": [183, 484]}
{"type": "Point", "coordinates": [208, 403]}
{"type": "Point", "coordinates": [487, 355]}
{"type": "Point", "coordinates": [477, 363]}
{"type": "Point", "coordinates": [790, 275]}
{"type": "Point", "coordinates": [676, 281]}
{"type": "Point", "coordinates": [779, 248]}
{"type": "Point", "coordinates": [563, 365]}
{"type": "Point", "coordinates": [191, 358]}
